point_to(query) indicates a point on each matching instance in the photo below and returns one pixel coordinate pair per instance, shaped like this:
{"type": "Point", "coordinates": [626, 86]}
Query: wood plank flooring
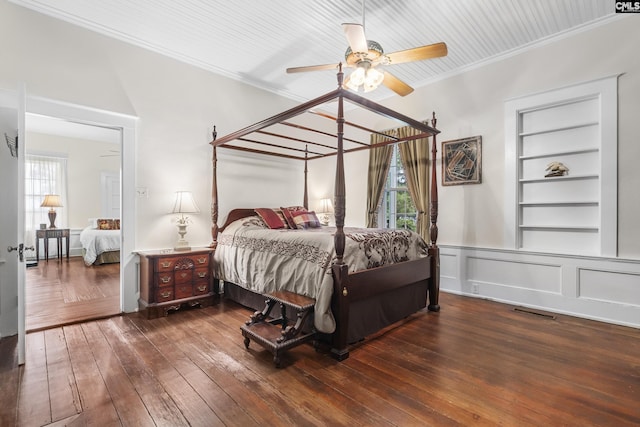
{"type": "Point", "coordinates": [475, 362]}
{"type": "Point", "coordinates": [61, 292]}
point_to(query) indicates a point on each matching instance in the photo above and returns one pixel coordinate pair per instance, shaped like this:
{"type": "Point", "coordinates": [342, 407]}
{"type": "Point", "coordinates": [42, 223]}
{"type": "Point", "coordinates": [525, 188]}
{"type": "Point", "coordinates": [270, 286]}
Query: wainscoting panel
{"type": "Point", "coordinates": [525, 275]}
{"type": "Point", "coordinates": [603, 289]}
{"type": "Point", "coordinates": [609, 286]}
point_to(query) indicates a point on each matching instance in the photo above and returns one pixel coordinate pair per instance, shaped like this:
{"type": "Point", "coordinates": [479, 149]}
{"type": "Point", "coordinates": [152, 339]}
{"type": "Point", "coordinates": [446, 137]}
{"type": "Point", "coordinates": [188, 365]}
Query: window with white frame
{"type": "Point", "coordinates": [44, 174]}
{"type": "Point", "coordinates": [397, 209]}
{"type": "Point", "coordinates": [574, 211]}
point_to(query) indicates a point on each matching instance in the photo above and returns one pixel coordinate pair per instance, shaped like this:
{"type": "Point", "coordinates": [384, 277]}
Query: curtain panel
{"type": "Point", "coordinates": [379, 162]}
{"type": "Point", "coordinates": [414, 156]}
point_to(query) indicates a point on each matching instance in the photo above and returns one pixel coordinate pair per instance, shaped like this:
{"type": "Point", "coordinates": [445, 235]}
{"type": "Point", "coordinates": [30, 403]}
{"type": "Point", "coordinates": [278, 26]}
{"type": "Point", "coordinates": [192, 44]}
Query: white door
{"type": "Point", "coordinates": [12, 265]}
{"type": "Point", "coordinates": [110, 194]}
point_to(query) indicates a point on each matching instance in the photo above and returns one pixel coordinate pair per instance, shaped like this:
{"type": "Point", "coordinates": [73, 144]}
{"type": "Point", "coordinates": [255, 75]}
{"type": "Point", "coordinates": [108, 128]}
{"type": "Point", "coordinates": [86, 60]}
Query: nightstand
{"type": "Point", "coordinates": [59, 234]}
{"type": "Point", "coordinates": [170, 280]}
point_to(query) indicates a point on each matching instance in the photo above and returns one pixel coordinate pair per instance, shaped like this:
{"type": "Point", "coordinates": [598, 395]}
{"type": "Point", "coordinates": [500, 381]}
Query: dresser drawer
{"type": "Point", "coordinates": [201, 288]}
{"type": "Point", "coordinates": [201, 260]}
{"type": "Point", "coordinates": [201, 274]}
{"type": "Point", "coordinates": [184, 290]}
{"type": "Point", "coordinates": [164, 279]}
{"type": "Point", "coordinates": [166, 264]}
{"type": "Point", "coordinates": [183, 276]}
{"type": "Point", "coordinates": [164, 295]}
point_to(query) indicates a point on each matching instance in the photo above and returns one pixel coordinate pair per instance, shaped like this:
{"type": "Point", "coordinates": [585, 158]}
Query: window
{"type": "Point", "coordinates": [44, 174]}
{"type": "Point", "coordinates": [397, 209]}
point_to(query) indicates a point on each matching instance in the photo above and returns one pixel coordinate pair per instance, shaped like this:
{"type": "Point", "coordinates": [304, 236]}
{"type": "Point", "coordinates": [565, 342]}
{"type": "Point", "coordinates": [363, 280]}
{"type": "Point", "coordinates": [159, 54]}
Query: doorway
{"type": "Point", "coordinates": [66, 285]}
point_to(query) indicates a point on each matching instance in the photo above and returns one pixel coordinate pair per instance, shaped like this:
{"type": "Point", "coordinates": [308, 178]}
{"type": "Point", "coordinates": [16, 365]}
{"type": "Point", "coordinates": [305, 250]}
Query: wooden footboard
{"type": "Point", "coordinates": [369, 284]}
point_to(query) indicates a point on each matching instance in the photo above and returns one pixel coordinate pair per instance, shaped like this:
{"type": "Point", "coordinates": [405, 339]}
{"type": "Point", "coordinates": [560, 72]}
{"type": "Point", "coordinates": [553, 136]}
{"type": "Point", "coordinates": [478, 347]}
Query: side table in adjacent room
{"type": "Point", "coordinates": [59, 234]}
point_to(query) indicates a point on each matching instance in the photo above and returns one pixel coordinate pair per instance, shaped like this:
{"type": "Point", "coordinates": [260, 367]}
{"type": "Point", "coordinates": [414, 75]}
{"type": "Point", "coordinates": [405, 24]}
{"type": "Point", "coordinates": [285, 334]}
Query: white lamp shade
{"type": "Point", "coordinates": [326, 206]}
{"type": "Point", "coordinates": [184, 203]}
{"type": "Point", "coordinates": [51, 201]}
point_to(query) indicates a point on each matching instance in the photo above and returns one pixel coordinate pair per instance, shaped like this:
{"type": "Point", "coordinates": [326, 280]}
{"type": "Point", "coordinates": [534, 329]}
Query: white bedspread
{"type": "Point", "coordinates": [94, 242]}
{"type": "Point", "coordinates": [264, 260]}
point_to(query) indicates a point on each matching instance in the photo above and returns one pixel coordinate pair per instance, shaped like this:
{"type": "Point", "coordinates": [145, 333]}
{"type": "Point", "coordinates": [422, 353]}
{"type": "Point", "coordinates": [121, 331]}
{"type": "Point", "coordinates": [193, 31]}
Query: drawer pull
{"type": "Point", "coordinates": [165, 279]}
{"type": "Point", "coordinates": [165, 264]}
{"type": "Point", "coordinates": [202, 260]}
{"type": "Point", "coordinates": [202, 274]}
{"type": "Point", "coordinates": [202, 288]}
{"type": "Point", "coordinates": [165, 294]}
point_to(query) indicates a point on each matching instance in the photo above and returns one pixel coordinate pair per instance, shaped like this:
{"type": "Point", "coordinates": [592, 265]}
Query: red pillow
{"type": "Point", "coordinates": [270, 217]}
{"type": "Point", "coordinates": [304, 219]}
{"type": "Point", "coordinates": [288, 217]}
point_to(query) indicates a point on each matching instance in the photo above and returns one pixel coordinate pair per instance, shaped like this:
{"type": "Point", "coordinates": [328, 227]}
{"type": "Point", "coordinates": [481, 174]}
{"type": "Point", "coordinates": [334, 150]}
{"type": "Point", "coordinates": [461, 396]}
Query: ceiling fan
{"type": "Point", "coordinates": [365, 55]}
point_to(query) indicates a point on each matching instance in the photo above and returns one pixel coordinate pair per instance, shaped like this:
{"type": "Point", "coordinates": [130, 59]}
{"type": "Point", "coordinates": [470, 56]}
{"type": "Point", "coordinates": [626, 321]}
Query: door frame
{"type": "Point", "coordinates": [127, 125]}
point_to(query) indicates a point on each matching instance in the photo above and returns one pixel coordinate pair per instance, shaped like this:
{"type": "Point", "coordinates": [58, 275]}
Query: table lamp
{"type": "Point", "coordinates": [184, 204]}
{"type": "Point", "coordinates": [326, 209]}
{"type": "Point", "coordinates": [52, 201]}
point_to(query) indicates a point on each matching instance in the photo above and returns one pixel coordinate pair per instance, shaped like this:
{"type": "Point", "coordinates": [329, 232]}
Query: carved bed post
{"type": "Point", "coordinates": [214, 206]}
{"type": "Point", "coordinates": [340, 270]}
{"type": "Point", "coordinates": [214, 193]}
{"type": "Point", "coordinates": [305, 197]}
{"type": "Point", "coordinates": [434, 251]}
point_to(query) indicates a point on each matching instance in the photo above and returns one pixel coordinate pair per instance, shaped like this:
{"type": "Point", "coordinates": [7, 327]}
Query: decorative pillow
{"type": "Point", "coordinates": [289, 218]}
{"type": "Point", "coordinates": [304, 219]}
{"type": "Point", "coordinates": [270, 217]}
{"type": "Point", "coordinates": [108, 224]}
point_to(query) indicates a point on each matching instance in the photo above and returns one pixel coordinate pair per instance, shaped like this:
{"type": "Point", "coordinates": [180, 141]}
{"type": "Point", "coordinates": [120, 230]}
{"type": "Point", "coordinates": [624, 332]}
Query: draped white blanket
{"type": "Point", "coordinates": [263, 260]}
{"type": "Point", "coordinates": [94, 242]}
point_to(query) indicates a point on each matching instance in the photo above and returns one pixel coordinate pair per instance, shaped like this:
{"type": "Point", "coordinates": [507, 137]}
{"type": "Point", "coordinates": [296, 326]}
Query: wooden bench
{"type": "Point", "coordinates": [277, 335]}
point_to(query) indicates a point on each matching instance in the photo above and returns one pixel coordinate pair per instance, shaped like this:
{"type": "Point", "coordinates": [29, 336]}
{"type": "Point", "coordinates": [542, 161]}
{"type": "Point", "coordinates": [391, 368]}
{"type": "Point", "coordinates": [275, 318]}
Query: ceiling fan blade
{"type": "Point", "coordinates": [396, 85]}
{"type": "Point", "coordinates": [356, 38]}
{"type": "Point", "coordinates": [312, 68]}
{"type": "Point", "coordinates": [435, 50]}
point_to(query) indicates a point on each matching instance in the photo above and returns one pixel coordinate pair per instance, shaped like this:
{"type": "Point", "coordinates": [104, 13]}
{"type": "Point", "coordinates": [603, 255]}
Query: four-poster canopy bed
{"type": "Point", "coordinates": [360, 300]}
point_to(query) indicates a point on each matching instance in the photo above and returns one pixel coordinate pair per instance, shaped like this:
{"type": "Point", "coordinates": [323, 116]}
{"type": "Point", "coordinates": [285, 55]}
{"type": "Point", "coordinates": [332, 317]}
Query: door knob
{"type": "Point", "coordinates": [20, 248]}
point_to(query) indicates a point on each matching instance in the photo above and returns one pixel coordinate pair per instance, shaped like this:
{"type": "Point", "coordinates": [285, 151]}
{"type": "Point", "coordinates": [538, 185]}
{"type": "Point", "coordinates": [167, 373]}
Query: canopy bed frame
{"type": "Point", "coordinates": [353, 293]}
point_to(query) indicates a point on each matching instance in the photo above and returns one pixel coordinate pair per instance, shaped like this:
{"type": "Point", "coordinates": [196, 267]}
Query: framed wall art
{"type": "Point", "coordinates": [462, 161]}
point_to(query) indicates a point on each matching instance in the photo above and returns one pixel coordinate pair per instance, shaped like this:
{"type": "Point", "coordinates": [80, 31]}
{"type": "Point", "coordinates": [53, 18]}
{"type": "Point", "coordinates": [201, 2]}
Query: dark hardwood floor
{"type": "Point", "coordinates": [475, 362]}
{"type": "Point", "coordinates": [64, 291]}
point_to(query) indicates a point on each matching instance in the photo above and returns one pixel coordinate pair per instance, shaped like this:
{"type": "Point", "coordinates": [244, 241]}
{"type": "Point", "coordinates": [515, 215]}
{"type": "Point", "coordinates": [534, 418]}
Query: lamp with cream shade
{"type": "Point", "coordinates": [184, 204]}
{"type": "Point", "coordinates": [52, 201]}
{"type": "Point", "coordinates": [326, 209]}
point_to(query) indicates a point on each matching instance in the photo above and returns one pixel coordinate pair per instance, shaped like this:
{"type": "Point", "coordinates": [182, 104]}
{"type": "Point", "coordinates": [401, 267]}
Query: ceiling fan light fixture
{"type": "Point", "coordinates": [364, 76]}
{"type": "Point", "coordinates": [373, 78]}
{"type": "Point", "coordinates": [357, 77]}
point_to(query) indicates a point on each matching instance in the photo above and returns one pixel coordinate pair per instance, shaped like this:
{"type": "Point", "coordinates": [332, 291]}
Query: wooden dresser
{"type": "Point", "coordinates": [172, 279]}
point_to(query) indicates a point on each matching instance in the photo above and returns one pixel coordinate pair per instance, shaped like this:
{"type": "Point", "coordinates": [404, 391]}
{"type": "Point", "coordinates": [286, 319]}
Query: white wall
{"type": "Point", "coordinates": [85, 163]}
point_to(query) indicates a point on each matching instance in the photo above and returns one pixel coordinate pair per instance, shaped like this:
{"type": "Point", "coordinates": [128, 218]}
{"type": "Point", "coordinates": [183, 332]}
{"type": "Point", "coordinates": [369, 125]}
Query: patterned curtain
{"type": "Point", "coordinates": [379, 161]}
{"type": "Point", "coordinates": [415, 159]}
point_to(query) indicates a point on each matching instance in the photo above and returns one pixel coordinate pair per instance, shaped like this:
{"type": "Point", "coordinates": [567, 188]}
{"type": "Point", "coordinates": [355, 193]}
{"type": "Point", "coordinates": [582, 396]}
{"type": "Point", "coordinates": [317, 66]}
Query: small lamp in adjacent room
{"type": "Point", "coordinates": [52, 201]}
{"type": "Point", "coordinates": [326, 209]}
{"type": "Point", "coordinates": [184, 204]}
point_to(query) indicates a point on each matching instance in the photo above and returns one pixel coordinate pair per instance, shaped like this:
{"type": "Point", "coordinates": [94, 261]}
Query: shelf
{"type": "Point", "coordinates": [560, 153]}
{"type": "Point", "coordinates": [576, 203]}
{"type": "Point", "coordinates": [558, 129]}
{"type": "Point", "coordinates": [560, 178]}
{"type": "Point", "coordinates": [586, 228]}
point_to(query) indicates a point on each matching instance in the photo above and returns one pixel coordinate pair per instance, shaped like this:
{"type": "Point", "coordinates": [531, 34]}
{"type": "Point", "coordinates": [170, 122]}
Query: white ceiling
{"type": "Point", "coordinates": [254, 41]}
